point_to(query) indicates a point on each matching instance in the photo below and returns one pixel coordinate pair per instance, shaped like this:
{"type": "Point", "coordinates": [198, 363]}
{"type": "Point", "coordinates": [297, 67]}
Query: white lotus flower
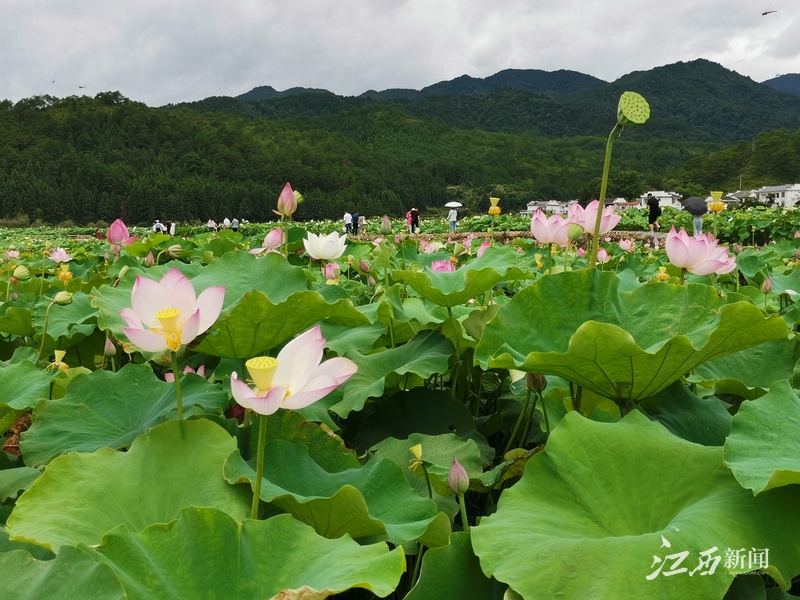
{"type": "Point", "coordinates": [329, 247]}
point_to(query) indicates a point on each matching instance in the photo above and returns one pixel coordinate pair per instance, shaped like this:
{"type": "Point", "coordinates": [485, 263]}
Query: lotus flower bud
{"type": "Point", "coordinates": [109, 349]}
{"type": "Point", "coordinates": [386, 225]}
{"type": "Point", "coordinates": [149, 260]}
{"type": "Point", "coordinates": [632, 109]}
{"type": "Point", "coordinates": [371, 281]}
{"type": "Point", "coordinates": [364, 265]}
{"type": "Point", "coordinates": [581, 252]}
{"type": "Point", "coordinates": [21, 273]}
{"type": "Point", "coordinates": [536, 382]}
{"type": "Point", "coordinates": [63, 298]}
{"type": "Point", "coordinates": [766, 287]}
{"type": "Point", "coordinates": [797, 234]}
{"type": "Point", "coordinates": [574, 231]}
{"type": "Point", "coordinates": [122, 271]}
{"type": "Point", "coordinates": [175, 251]}
{"type": "Point", "coordinates": [458, 480]}
{"type": "Point", "coordinates": [287, 201]}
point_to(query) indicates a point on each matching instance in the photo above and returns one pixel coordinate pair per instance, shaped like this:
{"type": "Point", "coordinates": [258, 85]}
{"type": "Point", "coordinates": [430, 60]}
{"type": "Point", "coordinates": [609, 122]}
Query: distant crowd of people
{"type": "Point", "coordinates": [354, 222]}
{"type": "Point", "coordinates": [167, 227]}
{"type": "Point", "coordinates": [226, 224]}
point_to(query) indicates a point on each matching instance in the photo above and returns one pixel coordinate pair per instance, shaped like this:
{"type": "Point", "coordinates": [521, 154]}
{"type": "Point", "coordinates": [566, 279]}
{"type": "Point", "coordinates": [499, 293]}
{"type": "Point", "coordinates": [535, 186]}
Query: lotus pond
{"type": "Point", "coordinates": [203, 417]}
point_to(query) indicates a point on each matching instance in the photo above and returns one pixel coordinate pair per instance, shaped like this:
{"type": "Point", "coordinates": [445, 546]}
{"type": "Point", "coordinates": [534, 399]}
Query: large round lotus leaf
{"type": "Point", "coordinates": [453, 573]}
{"type": "Point", "coordinates": [16, 321]}
{"type": "Point", "coordinates": [70, 575]}
{"type": "Point", "coordinates": [207, 554]}
{"type": "Point", "coordinates": [499, 263]}
{"type": "Point", "coordinates": [14, 481]}
{"type": "Point", "coordinates": [763, 449]}
{"type": "Point", "coordinates": [624, 344]}
{"type": "Point", "coordinates": [66, 321]}
{"type": "Point", "coordinates": [80, 497]}
{"type": "Point", "coordinates": [257, 325]}
{"type": "Point", "coordinates": [425, 355]}
{"type": "Point", "coordinates": [23, 384]}
{"type": "Point", "coordinates": [751, 372]}
{"type": "Point", "coordinates": [110, 409]}
{"type": "Point", "coordinates": [593, 514]}
{"type": "Point", "coordinates": [374, 500]}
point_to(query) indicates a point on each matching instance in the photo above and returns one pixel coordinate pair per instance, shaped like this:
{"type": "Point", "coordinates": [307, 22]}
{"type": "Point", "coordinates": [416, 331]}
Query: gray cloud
{"type": "Point", "coordinates": [159, 51]}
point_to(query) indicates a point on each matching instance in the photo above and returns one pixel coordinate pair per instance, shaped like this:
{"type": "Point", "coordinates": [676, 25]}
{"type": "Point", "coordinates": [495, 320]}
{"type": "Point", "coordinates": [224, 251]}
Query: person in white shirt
{"type": "Point", "coordinates": [348, 222]}
{"type": "Point", "coordinates": [226, 222]}
{"type": "Point", "coordinates": [452, 216]}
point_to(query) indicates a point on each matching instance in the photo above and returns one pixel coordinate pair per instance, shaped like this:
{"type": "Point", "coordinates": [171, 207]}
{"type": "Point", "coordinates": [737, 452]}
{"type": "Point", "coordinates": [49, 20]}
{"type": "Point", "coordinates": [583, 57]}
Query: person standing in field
{"type": "Point", "coordinates": [362, 223]}
{"type": "Point", "coordinates": [348, 222]}
{"type": "Point", "coordinates": [408, 218]}
{"type": "Point", "coordinates": [414, 219]}
{"type": "Point", "coordinates": [235, 225]}
{"type": "Point", "coordinates": [355, 223]}
{"type": "Point", "coordinates": [452, 216]}
{"type": "Point", "coordinates": [655, 212]}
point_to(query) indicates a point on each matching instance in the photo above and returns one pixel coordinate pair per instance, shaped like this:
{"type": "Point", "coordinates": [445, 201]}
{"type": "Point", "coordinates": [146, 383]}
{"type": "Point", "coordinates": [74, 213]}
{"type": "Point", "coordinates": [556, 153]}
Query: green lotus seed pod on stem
{"type": "Point", "coordinates": [632, 109]}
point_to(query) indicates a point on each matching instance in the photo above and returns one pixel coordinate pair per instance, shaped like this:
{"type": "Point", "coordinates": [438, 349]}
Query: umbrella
{"type": "Point", "coordinates": [696, 206]}
{"type": "Point", "coordinates": [454, 205]}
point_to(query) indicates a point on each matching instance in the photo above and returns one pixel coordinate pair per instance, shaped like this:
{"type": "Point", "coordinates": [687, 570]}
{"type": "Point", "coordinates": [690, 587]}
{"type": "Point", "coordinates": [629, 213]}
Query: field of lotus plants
{"type": "Point", "coordinates": [299, 416]}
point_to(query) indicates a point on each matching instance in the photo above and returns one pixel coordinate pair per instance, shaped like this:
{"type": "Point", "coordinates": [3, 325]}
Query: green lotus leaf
{"type": "Point", "coordinates": [326, 449]}
{"type": "Point", "coordinates": [14, 481]}
{"type": "Point", "coordinates": [66, 321]}
{"type": "Point", "coordinates": [624, 344]}
{"type": "Point", "coordinates": [341, 338]}
{"type": "Point", "coordinates": [453, 572]}
{"type": "Point", "coordinates": [70, 575]}
{"type": "Point", "coordinates": [23, 384]}
{"type": "Point", "coordinates": [751, 372]}
{"type": "Point", "coordinates": [106, 409]}
{"type": "Point", "coordinates": [468, 281]}
{"type": "Point", "coordinates": [16, 321]}
{"type": "Point", "coordinates": [438, 452]}
{"type": "Point", "coordinates": [374, 500]}
{"type": "Point", "coordinates": [699, 420]}
{"type": "Point", "coordinates": [207, 554]}
{"type": "Point", "coordinates": [596, 510]}
{"type": "Point", "coordinates": [6, 545]}
{"type": "Point", "coordinates": [80, 497]}
{"type": "Point", "coordinates": [763, 449]}
{"type": "Point", "coordinates": [425, 355]}
{"type": "Point", "coordinates": [256, 325]}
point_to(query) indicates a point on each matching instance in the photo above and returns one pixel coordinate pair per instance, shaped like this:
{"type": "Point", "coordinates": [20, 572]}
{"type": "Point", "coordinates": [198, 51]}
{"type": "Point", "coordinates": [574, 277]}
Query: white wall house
{"type": "Point", "coordinates": [665, 199]}
{"type": "Point", "coordinates": [547, 206]}
{"type": "Point", "coordinates": [786, 196]}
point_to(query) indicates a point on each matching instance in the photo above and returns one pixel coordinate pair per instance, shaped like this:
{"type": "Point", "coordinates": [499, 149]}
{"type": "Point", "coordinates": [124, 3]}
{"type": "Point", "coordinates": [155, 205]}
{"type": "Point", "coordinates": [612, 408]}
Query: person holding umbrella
{"type": "Point", "coordinates": [697, 207]}
{"type": "Point", "coordinates": [452, 216]}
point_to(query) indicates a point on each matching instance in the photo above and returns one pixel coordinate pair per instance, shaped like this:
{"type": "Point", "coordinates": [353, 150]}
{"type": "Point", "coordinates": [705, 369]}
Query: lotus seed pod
{"type": "Point", "coordinates": [175, 251]}
{"type": "Point", "coordinates": [574, 231]}
{"type": "Point", "coordinates": [633, 109]}
{"type": "Point", "coordinates": [22, 273]}
{"type": "Point", "coordinates": [536, 382]}
{"type": "Point", "coordinates": [63, 298]}
{"type": "Point", "coordinates": [122, 271]}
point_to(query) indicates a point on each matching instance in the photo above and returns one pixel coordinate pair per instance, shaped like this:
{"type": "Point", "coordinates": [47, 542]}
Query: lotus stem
{"type": "Point", "coordinates": [427, 480]}
{"type": "Point", "coordinates": [458, 352]}
{"type": "Point", "coordinates": [544, 411]}
{"type": "Point", "coordinates": [178, 392]}
{"type": "Point", "coordinates": [44, 331]}
{"type": "Point", "coordinates": [463, 506]}
{"type": "Point", "coordinates": [262, 439]}
{"type": "Point", "coordinates": [601, 202]}
{"type": "Point", "coordinates": [41, 283]}
{"type": "Point", "coordinates": [518, 423]}
{"type": "Point", "coordinates": [417, 565]}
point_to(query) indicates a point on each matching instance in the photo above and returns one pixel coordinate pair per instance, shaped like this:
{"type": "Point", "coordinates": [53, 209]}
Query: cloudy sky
{"type": "Point", "coordinates": [160, 51]}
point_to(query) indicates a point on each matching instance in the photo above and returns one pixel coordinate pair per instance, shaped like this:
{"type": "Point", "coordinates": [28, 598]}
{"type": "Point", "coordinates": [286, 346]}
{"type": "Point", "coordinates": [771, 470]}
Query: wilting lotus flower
{"type": "Point", "coordinates": [698, 254]}
{"type": "Point", "coordinates": [549, 230]}
{"type": "Point", "coordinates": [442, 266]}
{"type": "Point", "coordinates": [167, 314]}
{"type": "Point", "coordinates": [60, 255]}
{"type": "Point", "coordinates": [118, 236]}
{"type": "Point", "coordinates": [293, 380]}
{"type": "Point", "coordinates": [484, 245]}
{"type": "Point", "coordinates": [602, 256]}
{"type": "Point", "coordinates": [9, 254]}
{"type": "Point", "coordinates": [201, 371]}
{"type": "Point", "coordinates": [627, 245]}
{"type": "Point", "coordinates": [327, 247]}
{"type": "Point", "coordinates": [272, 242]}
{"type": "Point", "coordinates": [586, 217]}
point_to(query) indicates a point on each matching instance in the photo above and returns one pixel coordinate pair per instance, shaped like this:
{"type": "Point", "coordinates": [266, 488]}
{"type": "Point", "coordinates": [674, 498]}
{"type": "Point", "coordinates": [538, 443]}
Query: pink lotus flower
{"type": "Point", "coordinates": [60, 255]}
{"type": "Point", "coordinates": [627, 245]}
{"type": "Point", "coordinates": [167, 314]}
{"type": "Point", "coordinates": [149, 260]}
{"type": "Point", "coordinates": [293, 380]}
{"type": "Point", "coordinates": [117, 235]}
{"type": "Point", "coordinates": [586, 217]}
{"type": "Point", "coordinates": [9, 254]}
{"type": "Point", "coordinates": [201, 371]}
{"type": "Point", "coordinates": [580, 252]}
{"type": "Point", "coordinates": [484, 245]}
{"type": "Point", "coordinates": [287, 202]}
{"type": "Point", "coordinates": [602, 256]}
{"type": "Point", "coordinates": [272, 242]}
{"type": "Point", "coordinates": [443, 266]}
{"type": "Point", "coordinates": [698, 254]}
{"type": "Point", "coordinates": [550, 230]}
{"type": "Point", "coordinates": [428, 247]}
{"type": "Point", "coordinates": [458, 479]}
{"type": "Point", "coordinates": [331, 270]}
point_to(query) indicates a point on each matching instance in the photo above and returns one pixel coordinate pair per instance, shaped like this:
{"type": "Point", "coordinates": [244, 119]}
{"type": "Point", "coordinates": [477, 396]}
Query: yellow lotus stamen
{"type": "Point", "coordinates": [262, 370]}
{"type": "Point", "coordinates": [168, 319]}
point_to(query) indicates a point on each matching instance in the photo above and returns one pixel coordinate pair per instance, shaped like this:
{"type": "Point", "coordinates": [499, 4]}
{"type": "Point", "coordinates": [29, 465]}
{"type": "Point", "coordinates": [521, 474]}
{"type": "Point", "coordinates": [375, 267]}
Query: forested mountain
{"type": "Point", "coordinates": [785, 83]}
{"type": "Point", "coordinates": [87, 159]}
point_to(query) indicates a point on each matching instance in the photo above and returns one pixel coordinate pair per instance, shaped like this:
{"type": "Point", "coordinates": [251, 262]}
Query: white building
{"type": "Point", "coordinates": [665, 199]}
{"type": "Point", "coordinates": [785, 196]}
{"type": "Point", "coordinates": [547, 206]}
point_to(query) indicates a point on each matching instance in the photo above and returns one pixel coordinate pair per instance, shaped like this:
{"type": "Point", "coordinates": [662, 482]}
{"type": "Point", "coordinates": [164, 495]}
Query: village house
{"type": "Point", "coordinates": [665, 199]}
{"type": "Point", "coordinates": [784, 196]}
